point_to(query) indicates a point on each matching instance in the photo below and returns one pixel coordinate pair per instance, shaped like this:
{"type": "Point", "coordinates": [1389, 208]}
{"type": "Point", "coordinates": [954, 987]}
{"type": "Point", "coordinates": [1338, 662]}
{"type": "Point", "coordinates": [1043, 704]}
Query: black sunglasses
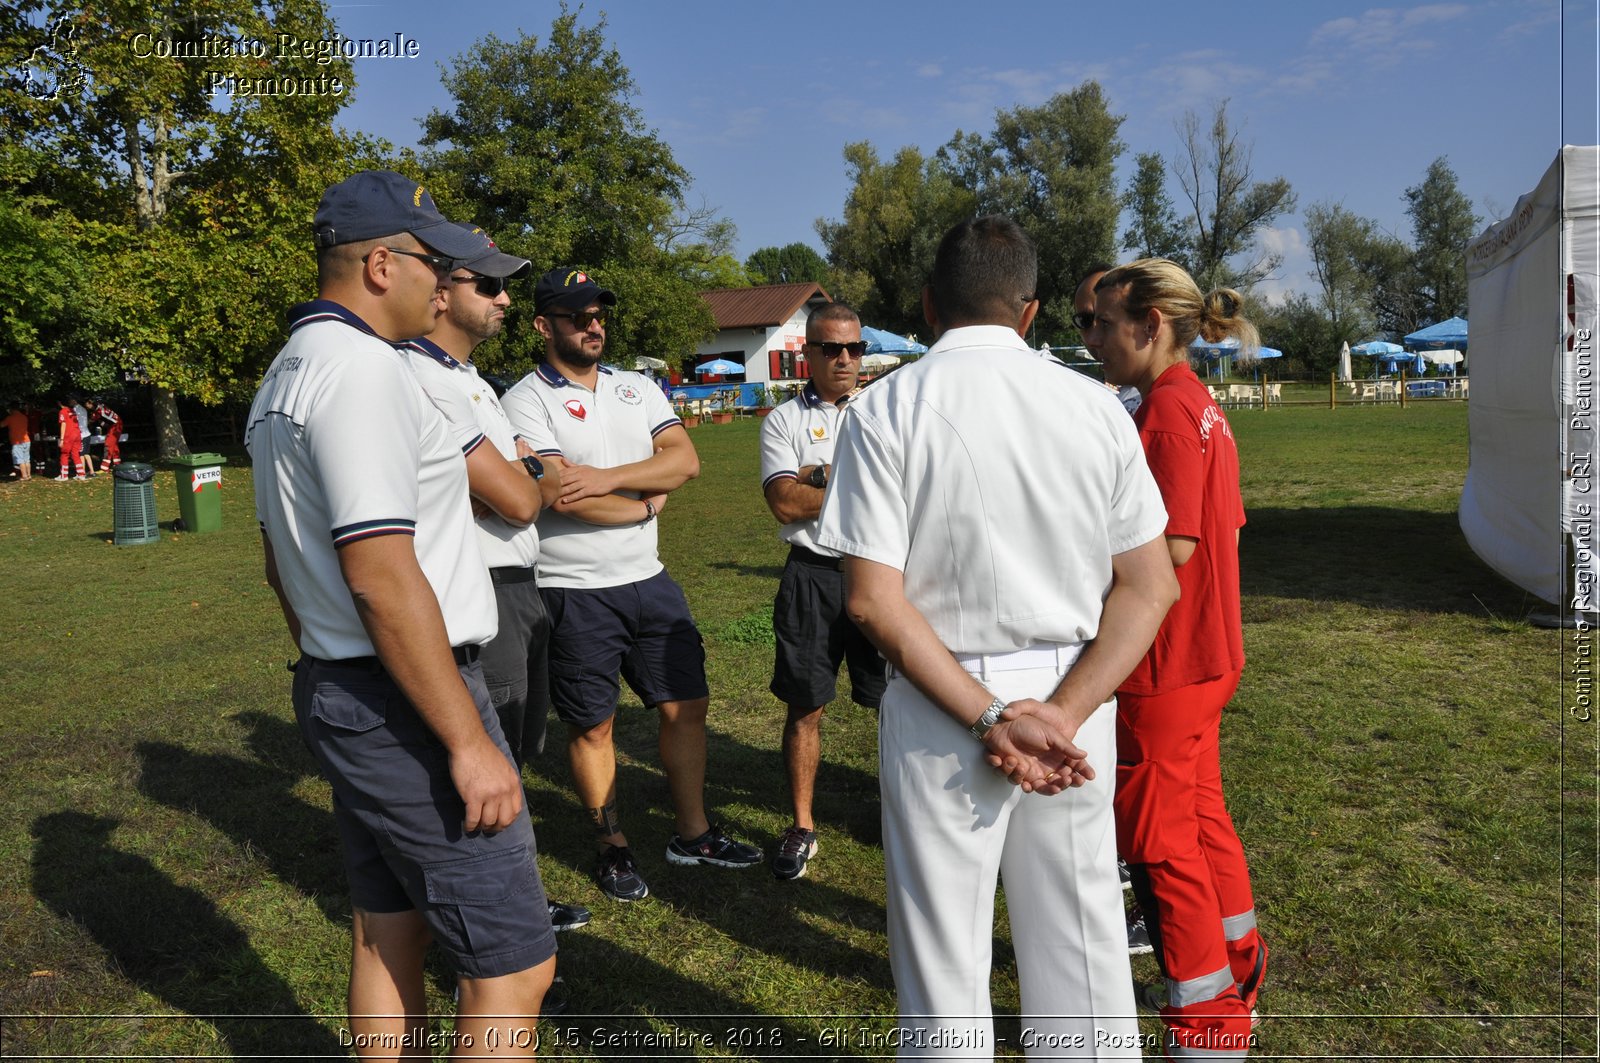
{"type": "Point", "coordinates": [1083, 321]}
{"type": "Point", "coordinates": [488, 287]}
{"type": "Point", "coordinates": [582, 319]}
{"type": "Point", "coordinates": [440, 264]}
{"type": "Point", "coordinates": [835, 350]}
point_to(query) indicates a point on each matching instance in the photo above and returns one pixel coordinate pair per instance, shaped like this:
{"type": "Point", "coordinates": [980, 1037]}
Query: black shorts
{"type": "Point", "coordinates": [640, 631]}
{"type": "Point", "coordinates": [814, 635]}
{"type": "Point", "coordinates": [399, 818]}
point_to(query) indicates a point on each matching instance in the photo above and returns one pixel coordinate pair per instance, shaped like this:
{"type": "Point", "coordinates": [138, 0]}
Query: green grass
{"type": "Point", "coordinates": [1418, 809]}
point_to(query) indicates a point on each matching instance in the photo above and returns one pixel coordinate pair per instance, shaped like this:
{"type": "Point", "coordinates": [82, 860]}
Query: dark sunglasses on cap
{"type": "Point", "coordinates": [835, 350]}
{"type": "Point", "coordinates": [581, 319]}
{"type": "Point", "coordinates": [488, 287]}
{"type": "Point", "coordinates": [1083, 321]}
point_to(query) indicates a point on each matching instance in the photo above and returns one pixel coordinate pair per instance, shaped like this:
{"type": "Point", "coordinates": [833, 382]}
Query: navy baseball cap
{"type": "Point", "coordinates": [376, 203]}
{"type": "Point", "coordinates": [490, 261]}
{"type": "Point", "coordinates": [569, 287]}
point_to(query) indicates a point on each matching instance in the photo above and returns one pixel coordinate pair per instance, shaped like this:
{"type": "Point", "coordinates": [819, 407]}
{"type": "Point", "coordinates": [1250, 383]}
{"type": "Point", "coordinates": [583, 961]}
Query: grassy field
{"type": "Point", "coordinates": [1418, 808]}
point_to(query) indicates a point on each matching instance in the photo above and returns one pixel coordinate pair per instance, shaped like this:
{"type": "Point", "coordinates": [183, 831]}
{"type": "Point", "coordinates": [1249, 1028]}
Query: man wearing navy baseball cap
{"type": "Point", "coordinates": [361, 492]}
{"type": "Point", "coordinates": [616, 449]}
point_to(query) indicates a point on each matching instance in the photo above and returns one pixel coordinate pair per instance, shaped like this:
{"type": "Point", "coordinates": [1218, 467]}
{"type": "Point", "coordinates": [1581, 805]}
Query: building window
{"type": "Point", "coordinates": [788, 365]}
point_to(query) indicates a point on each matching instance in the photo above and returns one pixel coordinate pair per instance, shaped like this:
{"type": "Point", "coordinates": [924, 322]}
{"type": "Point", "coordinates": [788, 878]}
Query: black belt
{"type": "Point", "coordinates": [811, 557]}
{"type": "Point", "coordinates": [511, 574]}
{"type": "Point", "coordinates": [464, 656]}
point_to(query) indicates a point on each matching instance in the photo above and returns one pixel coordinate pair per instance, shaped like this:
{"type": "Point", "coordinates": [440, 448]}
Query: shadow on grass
{"type": "Point", "coordinates": [256, 806]}
{"type": "Point", "coordinates": [768, 572]}
{"type": "Point", "coordinates": [169, 939]}
{"type": "Point", "coordinates": [1370, 556]}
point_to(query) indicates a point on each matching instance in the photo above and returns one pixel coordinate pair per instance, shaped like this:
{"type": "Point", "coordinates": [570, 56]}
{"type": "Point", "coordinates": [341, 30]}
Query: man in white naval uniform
{"type": "Point", "coordinates": [1003, 548]}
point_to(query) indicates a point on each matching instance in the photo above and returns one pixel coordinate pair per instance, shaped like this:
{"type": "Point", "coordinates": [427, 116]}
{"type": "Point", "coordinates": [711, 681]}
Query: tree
{"type": "Point", "coordinates": [894, 217]}
{"type": "Point", "coordinates": [545, 149]}
{"type": "Point", "coordinates": [789, 264]}
{"type": "Point", "coordinates": [1442, 224]}
{"type": "Point", "coordinates": [1049, 167]}
{"type": "Point", "coordinates": [1299, 328]}
{"type": "Point", "coordinates": [1154, 229]}
{"type": "Point", "coordinates": [1228, 209]}
{"type": "Point", "coordinates": [201, 208]}
{"type": "Point", "coordinates": [1343, 249]}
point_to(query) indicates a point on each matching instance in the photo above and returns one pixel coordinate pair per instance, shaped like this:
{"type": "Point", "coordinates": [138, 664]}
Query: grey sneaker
{"type": "Point", "coordinates": [618, 875]}
{"type": "Point", "coordinates": [1124, 874]}
{"type": "Point", "coordinates": [1138, 936]}
{"type": "Point", "coordinates": [795, 848]}
{"type": "Point", "coordinates": [712, 847]}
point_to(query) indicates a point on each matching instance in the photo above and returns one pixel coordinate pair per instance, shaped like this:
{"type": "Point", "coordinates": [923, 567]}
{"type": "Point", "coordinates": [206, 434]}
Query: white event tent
{"type": "Point", "coordinates": [1532, 283]}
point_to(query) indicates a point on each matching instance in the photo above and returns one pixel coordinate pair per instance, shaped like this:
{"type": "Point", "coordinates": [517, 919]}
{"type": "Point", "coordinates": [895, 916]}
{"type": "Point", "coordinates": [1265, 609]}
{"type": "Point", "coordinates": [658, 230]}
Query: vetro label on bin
{"type": "Point", "coordinates": [202, 477]}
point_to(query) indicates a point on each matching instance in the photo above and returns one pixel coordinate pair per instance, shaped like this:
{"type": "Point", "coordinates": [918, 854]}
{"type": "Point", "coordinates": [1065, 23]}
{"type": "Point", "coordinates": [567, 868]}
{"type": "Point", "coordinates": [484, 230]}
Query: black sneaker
{"type": "Point", "coordinates": [567, 916]}
{"type": "Point", "coordinates": [1124, 874]}
{"type": "Point", "coordinates": [797, 846]}
{"type": "Point", "coordinates": [618, 875]}
{"type": "Point", "coordinates": [556, 1001]}
{"type": "Point", "coordinates": [712, 847]}
{"type": "Point", "coordinates": [1138, 936]}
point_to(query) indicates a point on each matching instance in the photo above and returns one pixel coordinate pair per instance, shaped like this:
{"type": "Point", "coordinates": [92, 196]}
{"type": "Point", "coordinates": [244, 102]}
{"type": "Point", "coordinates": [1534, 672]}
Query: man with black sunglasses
{"type": "Point", "coordinates": [509, 488]}
{"type": "Point", "coordinates": [608, 435]}
{"type": "Point", "coordinates": [370, 546]}
{"type": "Point", "coordinates": [812, 631]}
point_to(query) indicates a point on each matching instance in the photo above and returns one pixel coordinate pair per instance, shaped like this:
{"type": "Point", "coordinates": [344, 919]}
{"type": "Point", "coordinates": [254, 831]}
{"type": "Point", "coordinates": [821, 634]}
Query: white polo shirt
{"type": "Point", "coordinates": [615, 424]}
{"type": "Point", "coordinates": [346, 446]}
{"type": "Point", "coordinates": [800, 432]}
{"type": "Point", "coordinates": [999, 483]}
{"type": "Point", "coordinates": [469, 404]}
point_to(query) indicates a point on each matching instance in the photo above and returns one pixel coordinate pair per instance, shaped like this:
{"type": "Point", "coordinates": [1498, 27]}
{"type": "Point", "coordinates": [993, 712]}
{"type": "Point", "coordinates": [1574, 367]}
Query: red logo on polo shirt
{"type": "Point", "coordinates": [575, 407]}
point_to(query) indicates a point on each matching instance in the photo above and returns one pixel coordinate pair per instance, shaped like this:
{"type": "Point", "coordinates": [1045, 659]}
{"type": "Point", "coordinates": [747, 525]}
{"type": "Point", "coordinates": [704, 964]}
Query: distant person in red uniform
{"type": "Point", "coordinates": [71, 442]}
{"type": "Point", "coordinates": [109, 423]}
{"type": "Point", "coordinates": [1173, 827]}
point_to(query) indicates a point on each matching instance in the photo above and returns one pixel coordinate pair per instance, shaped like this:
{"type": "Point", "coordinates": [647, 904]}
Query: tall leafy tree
{"type": "Point", "coordinates": [544, 147]}
{"type": "Point", "coordinates": [894, 216]}
{"type": "Point", "coordinates": [202, 182]}
{"type": "Point", "coordinates": [1049, 167]}
{"type": "Point", "coordinates": [1154, 228]}
{"type": "Point", "coordinates": [1442, 224]}
{"type": "Point", "coordinates": [790, 264]}
{"type": "Point", "coordinates": [1228, 208]}
{"type": "Point", "coordinates": [1343, 249]}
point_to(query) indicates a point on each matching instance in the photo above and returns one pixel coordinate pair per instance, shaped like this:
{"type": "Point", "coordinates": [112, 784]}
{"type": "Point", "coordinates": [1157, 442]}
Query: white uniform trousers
{"type": "Point", "coordinates": [951, 824]}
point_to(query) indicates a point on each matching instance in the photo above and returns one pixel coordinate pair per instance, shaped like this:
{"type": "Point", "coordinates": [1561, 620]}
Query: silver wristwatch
{"type": "Point", "coordinates": [980, 727]}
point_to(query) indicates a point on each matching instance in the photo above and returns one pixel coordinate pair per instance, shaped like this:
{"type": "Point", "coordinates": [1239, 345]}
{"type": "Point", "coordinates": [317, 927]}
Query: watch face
{"type": "Point", "coordinates": [535, 466]}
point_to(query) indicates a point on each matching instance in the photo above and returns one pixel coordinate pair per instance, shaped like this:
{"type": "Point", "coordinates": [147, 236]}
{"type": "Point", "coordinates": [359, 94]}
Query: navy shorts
{"type": "Point", "coordinates": [399, 820]}
{"type": "Point", "coordinates": [640, 631]}
{"type": "Point", "coordinates": [814, 635]}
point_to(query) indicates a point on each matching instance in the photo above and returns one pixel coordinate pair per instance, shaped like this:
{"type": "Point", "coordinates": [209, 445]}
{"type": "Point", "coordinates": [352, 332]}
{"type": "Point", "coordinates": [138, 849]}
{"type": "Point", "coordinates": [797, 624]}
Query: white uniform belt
{"type": "Point", "coordinates": [1057, 655]}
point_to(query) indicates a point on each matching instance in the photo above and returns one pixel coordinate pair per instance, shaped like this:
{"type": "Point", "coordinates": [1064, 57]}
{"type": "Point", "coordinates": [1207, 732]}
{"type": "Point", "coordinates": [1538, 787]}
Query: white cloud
{"type": "Point", "coordinates": [1384, 31]}
{"type": "Point", "coordinates": [930, 70]}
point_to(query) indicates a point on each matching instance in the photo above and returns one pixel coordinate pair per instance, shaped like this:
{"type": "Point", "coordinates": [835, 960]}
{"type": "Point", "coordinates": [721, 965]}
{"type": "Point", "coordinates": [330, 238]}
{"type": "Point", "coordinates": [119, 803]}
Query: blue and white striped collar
{"type": "Point", "coordinates": [318, 310]}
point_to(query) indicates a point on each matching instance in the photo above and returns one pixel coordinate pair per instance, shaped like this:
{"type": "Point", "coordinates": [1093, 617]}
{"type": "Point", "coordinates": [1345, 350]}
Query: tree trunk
{"type": "Point", "coordinates": [169, 429]}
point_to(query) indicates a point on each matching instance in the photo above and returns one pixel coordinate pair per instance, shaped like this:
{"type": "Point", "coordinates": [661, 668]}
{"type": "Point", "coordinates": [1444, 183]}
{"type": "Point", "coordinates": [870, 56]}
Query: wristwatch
{"type": "Point", "coordinates": [534, 466]}
{"type": "Point", "coordinates": [819, 476]}
{"type": "Point", "coordinates": [980, 727]}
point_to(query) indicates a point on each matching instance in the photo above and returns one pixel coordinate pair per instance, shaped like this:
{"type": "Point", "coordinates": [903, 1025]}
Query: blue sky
{"type": "Point", "coordinates": [1349, 102]}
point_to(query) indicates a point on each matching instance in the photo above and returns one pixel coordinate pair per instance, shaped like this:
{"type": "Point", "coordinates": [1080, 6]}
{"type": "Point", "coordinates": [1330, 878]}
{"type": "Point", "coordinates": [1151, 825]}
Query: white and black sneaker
{"type": "Point", "coordinates": [567, 916]}
{"type": "Point", "coordinates": [713, 847]}
{"type": "Point", "coordinates": [1138, 935]}
{"type": "Point", "coordinates": [795, 848]}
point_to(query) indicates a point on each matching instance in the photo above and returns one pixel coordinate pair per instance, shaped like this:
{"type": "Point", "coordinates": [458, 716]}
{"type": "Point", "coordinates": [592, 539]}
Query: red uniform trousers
{"type": "Point", "coordinates": [113, 455]}
{"type": "Point", "coordinates": [1189, 870]}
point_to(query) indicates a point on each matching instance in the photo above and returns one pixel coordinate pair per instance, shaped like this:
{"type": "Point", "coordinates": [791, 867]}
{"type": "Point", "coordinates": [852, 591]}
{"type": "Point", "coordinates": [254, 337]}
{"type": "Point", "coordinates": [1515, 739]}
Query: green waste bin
{"type": "Point", "coordinates": [133, 505]}
{"type": "Point", "coordinates": [199, 478]}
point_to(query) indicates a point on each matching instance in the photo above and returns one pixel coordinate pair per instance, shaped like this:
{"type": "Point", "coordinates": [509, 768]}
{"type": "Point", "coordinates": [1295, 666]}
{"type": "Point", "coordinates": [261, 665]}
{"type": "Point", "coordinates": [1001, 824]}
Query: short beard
{"type": "Point", "coordinates": [572, 353]}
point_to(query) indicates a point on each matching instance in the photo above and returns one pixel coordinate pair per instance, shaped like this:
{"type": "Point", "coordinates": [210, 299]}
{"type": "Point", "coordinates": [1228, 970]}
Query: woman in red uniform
{"type": "Point", "coordinates": [1189, 870]}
